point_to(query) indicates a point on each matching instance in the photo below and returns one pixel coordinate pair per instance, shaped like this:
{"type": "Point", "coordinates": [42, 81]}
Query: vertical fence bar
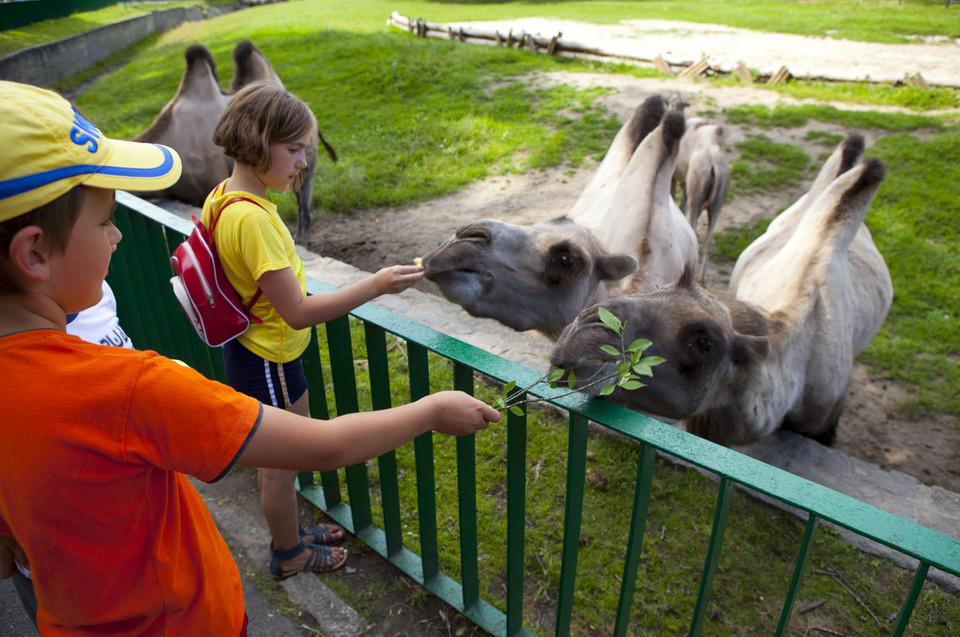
{"type": "Point", "coordinates": [572, 520]}
{"type": "Point", "coordinates": [904, 617]}
{"type": "Point", "coordinates": [387, 463]}
{"type": "Point", "coordinates": [345, 393]}
{"type": "Point", "coordinates": [313, 369]}
{"type": "Point", "coordinates": [713, 554]}
{"type": "Point", "coordinates": [467, 499]}
{"type": "Point", "coordinates": [638, 525]}
{"type": "Point", "coordinates": [516, 515]}
{"type": "Point", "coordinates": [423, 450]}
{"type": "Point", "coordinates": [798, 571]}
{"type": "Point", "coordinates": [330, 480]}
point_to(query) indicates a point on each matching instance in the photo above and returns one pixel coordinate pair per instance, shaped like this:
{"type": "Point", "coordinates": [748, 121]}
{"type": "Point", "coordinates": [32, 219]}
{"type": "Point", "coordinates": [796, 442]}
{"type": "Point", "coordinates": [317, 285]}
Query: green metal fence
{"type": "Point", "coordinates": [140, 271]}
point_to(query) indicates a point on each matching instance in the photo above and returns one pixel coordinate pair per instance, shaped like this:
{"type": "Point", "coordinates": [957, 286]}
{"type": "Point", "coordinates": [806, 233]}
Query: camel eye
{"type": "Point", "coordinates": [565, 261]}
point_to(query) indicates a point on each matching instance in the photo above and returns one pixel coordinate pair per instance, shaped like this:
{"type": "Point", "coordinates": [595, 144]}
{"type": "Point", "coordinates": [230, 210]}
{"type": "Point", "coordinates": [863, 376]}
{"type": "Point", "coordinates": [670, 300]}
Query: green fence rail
{"type": "Point", "coordinates": [140, 271]}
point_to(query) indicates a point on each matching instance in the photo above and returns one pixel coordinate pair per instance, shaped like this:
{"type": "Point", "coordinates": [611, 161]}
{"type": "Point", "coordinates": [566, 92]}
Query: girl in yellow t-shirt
{"type": "Point", "coordinates": [266, 129]}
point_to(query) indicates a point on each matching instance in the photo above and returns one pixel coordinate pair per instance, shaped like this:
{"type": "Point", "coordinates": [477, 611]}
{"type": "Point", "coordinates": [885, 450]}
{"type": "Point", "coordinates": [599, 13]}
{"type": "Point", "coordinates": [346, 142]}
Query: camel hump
{"type": "Point", "coordinates": [851, 149]}
{"type": "Point", "coordinates": [243, 51]}
{"type": "Point", "coordinates": [673, 127]}
{"type": "Point", "coordinates": [644, 120]}
{"type": "Point", "coordinates": [250, 65]}
{"type": "Point", "coordinates": [199, 54]}
{"type": "Point", "coordinates": [856, 198]}
{"type": "Point", "coordinates": [200, 63]}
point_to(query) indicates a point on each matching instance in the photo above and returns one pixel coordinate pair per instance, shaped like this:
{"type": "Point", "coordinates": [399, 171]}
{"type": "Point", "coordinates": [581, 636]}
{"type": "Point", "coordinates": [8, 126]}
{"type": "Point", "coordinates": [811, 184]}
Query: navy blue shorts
{"type": "Point", "coordinates": [270, 383]}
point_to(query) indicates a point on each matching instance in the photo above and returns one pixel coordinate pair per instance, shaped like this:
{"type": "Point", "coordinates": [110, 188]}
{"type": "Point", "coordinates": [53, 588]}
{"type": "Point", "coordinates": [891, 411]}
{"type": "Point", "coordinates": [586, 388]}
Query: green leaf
{"type": "Point", "coordinates": [572, 380]}
{"type": "Point", "coordinates": [555, 375]}
{"type": "Point", "coordinates": [609, 319]}
{"type": "Point", "coordinates": [509, 387]}
{"type": "Point", "coordinates": [499, 403]}
{"type": "Point", "coordinates": [630, 385]}
{"type": "Point", "coordinates": [606, 390]}
{"type": "Point", "coordinates": [623, 369]}
{"type": "Point", "coordinates": [639, 345]}
{"type": "Point", "coordinates": [516, 411]}
{"type": "Point", "coordinates": [610, 349]}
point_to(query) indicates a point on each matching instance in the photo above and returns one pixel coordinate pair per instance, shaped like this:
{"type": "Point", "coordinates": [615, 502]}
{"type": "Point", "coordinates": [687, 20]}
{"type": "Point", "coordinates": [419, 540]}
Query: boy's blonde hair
{"type": "Point", "coordinates": [260, 114]}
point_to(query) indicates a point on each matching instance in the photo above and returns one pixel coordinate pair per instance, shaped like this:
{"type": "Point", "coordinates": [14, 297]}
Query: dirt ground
{"type": "Point", "coordinates": [872, 428]}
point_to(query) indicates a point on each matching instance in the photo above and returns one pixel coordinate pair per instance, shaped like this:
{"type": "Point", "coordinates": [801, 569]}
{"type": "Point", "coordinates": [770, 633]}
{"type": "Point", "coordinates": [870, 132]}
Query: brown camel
{"type": "Point", "coordinates": [808, 296]}
{"type": "Point", "coordinates": [186, 124]}
{"type": "Point", "coordinates": [624, 233]}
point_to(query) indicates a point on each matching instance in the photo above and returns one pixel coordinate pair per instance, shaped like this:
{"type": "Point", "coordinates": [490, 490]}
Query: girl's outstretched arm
{"type": "Point", "coordinates": [285, 440]}
{"type": "Point", "coordinates": [283, 291]}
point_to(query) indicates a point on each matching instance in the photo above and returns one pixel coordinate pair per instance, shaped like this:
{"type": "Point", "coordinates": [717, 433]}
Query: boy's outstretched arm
{"type": "Point", "coordinates": [283, 291]}
{"type": "Point", "coordinates": [285, 440]}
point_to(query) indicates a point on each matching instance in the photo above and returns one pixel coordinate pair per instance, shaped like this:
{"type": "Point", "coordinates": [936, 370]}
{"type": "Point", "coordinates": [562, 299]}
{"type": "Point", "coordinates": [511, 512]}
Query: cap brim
{"type": "Point", "coordinates": [136, 166]}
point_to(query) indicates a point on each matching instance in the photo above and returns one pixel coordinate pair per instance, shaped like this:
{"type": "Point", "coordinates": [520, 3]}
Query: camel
{"type": "Point", "coordinates": [703, 170]}
{"type": "Point", "coordinates": [777, 349]}
{"type": "Point", "coordinates": [624, 233]}
{"type": "Point", "coordinates": [186, 124]}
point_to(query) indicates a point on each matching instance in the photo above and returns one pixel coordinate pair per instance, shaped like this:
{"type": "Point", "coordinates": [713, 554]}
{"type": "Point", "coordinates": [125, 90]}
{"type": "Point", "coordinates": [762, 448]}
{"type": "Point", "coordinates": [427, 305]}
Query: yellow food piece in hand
{"type": "Point", "coordinates": [418, 261]}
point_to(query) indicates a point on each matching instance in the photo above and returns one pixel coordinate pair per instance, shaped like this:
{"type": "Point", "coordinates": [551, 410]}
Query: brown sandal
{"type": "Point", "coordinates": [321, 560]}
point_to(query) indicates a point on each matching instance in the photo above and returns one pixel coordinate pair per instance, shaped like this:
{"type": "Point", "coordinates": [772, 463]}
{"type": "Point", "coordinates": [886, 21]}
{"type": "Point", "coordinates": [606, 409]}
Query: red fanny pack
{"type": "Point", "coordinates": [208, 300]}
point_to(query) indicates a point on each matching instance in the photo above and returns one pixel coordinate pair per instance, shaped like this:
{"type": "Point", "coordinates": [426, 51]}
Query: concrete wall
{"type": "Point", "coordinates": [45, 64]}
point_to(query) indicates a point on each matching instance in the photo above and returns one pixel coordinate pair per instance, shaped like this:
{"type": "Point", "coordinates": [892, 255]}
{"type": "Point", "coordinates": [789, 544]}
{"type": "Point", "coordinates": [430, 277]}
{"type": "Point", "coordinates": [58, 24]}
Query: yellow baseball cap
{"type": "Point", "coordinates": [47, 147]}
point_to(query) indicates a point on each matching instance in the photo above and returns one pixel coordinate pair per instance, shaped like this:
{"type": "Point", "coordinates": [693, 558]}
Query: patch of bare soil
{"type": "Point", "coordinates": [872, 428]}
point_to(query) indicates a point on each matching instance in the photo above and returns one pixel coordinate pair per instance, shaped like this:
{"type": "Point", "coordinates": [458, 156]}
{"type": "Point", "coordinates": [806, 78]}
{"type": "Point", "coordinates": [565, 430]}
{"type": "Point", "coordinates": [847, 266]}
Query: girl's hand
{"type": "Point", "coordinates": [458, 414]}
{"type": "Point", "coordinates": [397, 278]}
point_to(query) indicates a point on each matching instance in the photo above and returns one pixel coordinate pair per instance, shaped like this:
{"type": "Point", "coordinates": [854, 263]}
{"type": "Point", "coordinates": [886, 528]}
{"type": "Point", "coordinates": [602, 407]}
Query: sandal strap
{"type": "Point", "coordinates": [282, 556]}
{"type": "Point", "coordinates": [322, 533]}
{"type": "Point", "coordinates": [321, 559]}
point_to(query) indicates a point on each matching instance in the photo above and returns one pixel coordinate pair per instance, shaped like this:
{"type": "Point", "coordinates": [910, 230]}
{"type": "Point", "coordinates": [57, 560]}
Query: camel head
{"type": "Point", "coordinates": [708, 344]}
{"type": "Point", "coordinates": [526, 277]}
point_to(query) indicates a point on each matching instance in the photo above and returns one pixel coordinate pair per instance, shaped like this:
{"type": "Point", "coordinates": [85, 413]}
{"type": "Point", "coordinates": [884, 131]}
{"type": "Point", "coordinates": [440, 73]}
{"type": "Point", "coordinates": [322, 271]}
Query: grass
{"type": "Point", "coordinates": [847, 591]}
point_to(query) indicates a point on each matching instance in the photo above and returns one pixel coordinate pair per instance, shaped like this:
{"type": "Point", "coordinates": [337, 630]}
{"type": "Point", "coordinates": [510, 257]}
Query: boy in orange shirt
{"type": "Point", "coordinates": [96, 443]}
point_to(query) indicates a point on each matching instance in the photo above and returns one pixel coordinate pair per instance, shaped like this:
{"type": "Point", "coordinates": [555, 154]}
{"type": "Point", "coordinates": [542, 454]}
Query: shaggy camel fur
{"type": "Point", "coordinates": [186, 124]}
{"type": "Point", "coordinates": [540, 276]}
{"type": "Point", "coordinates": [808, 296]}
{"type": "Point", "coordinates": [704, 173]}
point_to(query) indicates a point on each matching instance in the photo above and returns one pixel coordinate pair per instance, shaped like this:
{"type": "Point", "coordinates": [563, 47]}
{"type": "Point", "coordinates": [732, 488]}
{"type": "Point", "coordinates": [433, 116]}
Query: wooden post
{"type": "Point", "coordinates": [746, 77]}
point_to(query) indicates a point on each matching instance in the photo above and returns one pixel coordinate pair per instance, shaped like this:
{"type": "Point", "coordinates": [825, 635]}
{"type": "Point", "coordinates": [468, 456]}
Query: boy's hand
{"type": "Point", "coordinates": [397, 278]}
{"type": "Point", "coordinates": [459, 414]}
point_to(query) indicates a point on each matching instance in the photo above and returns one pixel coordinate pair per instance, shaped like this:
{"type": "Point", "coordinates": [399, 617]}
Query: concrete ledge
{"type": "Point", "coordinates": [46, 64]}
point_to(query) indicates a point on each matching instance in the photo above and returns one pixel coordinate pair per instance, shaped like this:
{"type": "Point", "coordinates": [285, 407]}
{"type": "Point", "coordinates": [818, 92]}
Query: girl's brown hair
{"type": "Point", "coordinates": [258, 115]}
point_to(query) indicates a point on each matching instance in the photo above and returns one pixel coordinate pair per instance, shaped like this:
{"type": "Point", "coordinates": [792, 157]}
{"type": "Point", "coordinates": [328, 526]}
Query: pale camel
{"type": "Point", "coordinates": [779, 351]}
{"type": "Point", "coordinates": [624, 233]}
{"type": "Point", "coordinates": [186, 124]}
{"type": "Point", "coordinates": [704, 173]}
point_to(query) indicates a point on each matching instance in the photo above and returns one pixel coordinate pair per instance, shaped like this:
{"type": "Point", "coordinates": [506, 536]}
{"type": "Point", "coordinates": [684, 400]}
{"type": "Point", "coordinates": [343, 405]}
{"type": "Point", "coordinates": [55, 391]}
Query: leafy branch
{"type": "Point", "coordinates": [633, 365]}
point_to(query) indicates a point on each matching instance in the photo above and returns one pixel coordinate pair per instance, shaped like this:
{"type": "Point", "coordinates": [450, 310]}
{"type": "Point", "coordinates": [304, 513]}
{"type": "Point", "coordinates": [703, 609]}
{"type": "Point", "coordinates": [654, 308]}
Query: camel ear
{"type": "Point", "coordinates": [749, 349]}
{"type": "Point", "coordinates": [617, 266]}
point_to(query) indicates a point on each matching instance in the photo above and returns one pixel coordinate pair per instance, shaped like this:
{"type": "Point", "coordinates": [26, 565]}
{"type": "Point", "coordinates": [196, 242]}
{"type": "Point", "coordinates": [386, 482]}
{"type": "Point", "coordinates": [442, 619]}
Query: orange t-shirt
{"type": "Point", "coordinates": [94, 445]}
